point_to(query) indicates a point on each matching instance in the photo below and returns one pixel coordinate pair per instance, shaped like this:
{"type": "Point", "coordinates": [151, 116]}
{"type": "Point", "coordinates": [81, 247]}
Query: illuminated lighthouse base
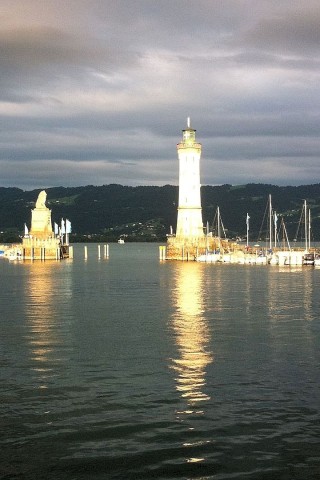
{"type": "Point", "coordinates": [189, 223]}
{"type": "Point", "coordinates": [179, 249]}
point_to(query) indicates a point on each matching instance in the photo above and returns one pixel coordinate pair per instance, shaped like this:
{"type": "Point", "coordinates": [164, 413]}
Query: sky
{"type": "Point", "coordinates": [98, 91]}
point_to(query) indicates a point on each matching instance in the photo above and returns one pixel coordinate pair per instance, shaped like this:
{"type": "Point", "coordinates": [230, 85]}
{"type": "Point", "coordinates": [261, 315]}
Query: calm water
{"type": "Point", "coordinates": [129, 368]}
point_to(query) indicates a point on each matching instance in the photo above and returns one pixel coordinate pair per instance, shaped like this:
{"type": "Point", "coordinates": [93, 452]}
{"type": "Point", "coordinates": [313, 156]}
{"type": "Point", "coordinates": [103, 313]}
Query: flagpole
{"type": "Point", "coordinates": [68, 230]}
{"type": "Point", "coordinates": [247, 229]}
{"type": "Point", "coordinates": [63, 228]}
{"type": "Point", "coordinates": [309, 228]}
{"type": "Point", "coordinates": [67, 233]}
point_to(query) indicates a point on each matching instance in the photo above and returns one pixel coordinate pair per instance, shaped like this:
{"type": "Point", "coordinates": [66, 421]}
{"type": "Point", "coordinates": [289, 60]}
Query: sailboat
{"type": "Point", "coordinates": [216, 255]}
{"type": "Point", "coordinates": [264, 256]}
{"type": "Point", "coordinates": [283, 256]}
{"type": "Point", "coordinates": [288, 256]}
{"type": "Point", "coordinates": [308, 258]}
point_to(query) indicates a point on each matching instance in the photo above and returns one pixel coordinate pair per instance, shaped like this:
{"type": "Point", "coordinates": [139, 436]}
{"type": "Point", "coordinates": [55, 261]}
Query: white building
{"type": "Point", "coordinates": [189, 222]}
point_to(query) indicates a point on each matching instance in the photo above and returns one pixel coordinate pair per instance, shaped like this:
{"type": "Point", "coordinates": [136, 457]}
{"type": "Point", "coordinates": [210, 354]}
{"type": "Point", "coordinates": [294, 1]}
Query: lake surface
{"type": "Point", "coordinates": [131, 368]}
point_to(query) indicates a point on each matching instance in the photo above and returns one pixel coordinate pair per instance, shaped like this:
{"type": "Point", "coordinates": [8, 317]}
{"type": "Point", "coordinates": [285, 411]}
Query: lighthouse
{"type": "Point", "coordinates": [189, 221]}
{"type": "Point", "coordinates": [190, 241]}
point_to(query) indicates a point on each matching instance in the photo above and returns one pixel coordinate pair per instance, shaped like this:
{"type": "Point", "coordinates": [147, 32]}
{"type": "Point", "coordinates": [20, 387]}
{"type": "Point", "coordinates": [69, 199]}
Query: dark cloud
{"type": "Point", "coordinates": [48, 59]}
{"type": "Point", "coordinates": [98, 92]}
{"type": "Point", "coordinates": [296, 31]}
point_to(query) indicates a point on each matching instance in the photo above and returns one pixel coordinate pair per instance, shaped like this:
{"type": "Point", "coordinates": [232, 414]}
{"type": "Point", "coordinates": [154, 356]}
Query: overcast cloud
{"type": "Point", "coordinates": [97, 92]}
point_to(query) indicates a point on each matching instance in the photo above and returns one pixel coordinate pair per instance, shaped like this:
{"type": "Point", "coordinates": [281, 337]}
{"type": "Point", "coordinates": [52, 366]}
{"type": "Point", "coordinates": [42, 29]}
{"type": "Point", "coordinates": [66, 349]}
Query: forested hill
{"type": "Point", "coordinates": [146, 213]}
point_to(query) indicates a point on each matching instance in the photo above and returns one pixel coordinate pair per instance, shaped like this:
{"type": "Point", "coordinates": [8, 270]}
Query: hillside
{"type": "Point", "coordinates": [146, 213]}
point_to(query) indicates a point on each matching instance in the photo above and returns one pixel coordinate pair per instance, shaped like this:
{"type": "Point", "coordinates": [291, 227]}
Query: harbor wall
{"type": "Point", "coordinates": [179, 248]}
{"type": "Point", "coordinates": [37, 249]}
{"type": "Point", "coordinates": [190, 249]}
{"type": "Point", "coordinates": [41, 248]}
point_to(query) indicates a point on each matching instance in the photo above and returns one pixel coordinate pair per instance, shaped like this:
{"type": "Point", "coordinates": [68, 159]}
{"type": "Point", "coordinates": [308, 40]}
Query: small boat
{"type": "Point", "coordinates": [12, 253]}
{"type": "Point", "coordinates": [3, 249]}
{"type": "Point", "coordinates": [308, 259]}
{"type": "Point", "coordinates": [209, 257]}
{"type": "Point", "coordinates": [121, 241]}
{"type": "Point", "coordinates": [217, 254]}
{"type": "Point", "coordinates": [317, 260]}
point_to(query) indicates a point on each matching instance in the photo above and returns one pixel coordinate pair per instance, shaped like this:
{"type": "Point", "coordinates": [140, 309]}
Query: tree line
{"type": "Point", "coordinates": [147, 213]}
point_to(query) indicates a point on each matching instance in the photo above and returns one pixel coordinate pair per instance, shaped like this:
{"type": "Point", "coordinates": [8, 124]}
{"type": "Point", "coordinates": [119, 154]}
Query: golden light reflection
{"type": "Point", "coordinates": [42, 334]}
{"type": "Point", "coordinates": [192, 336]}
{"type": "Point", "coordinates": [294, 288]}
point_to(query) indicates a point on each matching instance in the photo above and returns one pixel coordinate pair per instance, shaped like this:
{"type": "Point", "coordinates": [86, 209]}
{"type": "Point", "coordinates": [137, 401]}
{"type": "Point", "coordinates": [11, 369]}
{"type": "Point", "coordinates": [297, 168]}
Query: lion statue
{"type": "Point", "coordinates": [41, 201]}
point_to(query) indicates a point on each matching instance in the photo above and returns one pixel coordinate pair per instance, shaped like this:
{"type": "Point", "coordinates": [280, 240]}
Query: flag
{"type": "Point", "coordinates": [63, 227]}
{"type": "Point", "coordinates": [56, 229]}
{"type": "Point", "coordinates": [68, 226]}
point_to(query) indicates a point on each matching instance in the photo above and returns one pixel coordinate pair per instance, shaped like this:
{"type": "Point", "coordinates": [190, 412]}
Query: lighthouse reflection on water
{"type": "Point", "coordinates": [192, 337]}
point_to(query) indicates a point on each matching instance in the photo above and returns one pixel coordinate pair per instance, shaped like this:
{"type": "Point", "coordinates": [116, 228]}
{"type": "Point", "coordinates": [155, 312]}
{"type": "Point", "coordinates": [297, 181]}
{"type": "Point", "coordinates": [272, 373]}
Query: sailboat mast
{"type": "Point", "coordinates": [218, 215]}
{"type": "Point", "coordinates": [247, 221]}
{"type": "Point", "coordinates": [270, 223]}
{"type": "Point", "coordinates": [305, 225]}
{"type": "Point", "coordinates": [309, 228]}
{"type": "Point", "coordinates": [285, 232]}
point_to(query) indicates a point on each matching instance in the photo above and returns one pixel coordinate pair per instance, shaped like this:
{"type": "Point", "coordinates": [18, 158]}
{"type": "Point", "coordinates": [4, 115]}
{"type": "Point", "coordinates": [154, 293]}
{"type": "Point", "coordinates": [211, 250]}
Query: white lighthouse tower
{"type": "Point", "coordinates": [189, 222]}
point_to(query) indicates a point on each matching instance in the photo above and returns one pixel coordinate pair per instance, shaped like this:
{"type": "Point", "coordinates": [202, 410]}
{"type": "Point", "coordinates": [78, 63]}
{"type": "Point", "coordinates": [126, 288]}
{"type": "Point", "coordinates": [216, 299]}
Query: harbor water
{"type": "Point", "coordinates": [132, 368]}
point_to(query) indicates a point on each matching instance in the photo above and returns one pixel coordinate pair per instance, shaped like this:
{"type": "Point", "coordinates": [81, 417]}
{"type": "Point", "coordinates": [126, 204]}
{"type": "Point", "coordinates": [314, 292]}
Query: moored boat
{"type": "Point", "coordinates": [308, 259]}
{"type": "Point", "coordinates": [209, 257]}
{"type": "Point", "coordinates": [317, 260]}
